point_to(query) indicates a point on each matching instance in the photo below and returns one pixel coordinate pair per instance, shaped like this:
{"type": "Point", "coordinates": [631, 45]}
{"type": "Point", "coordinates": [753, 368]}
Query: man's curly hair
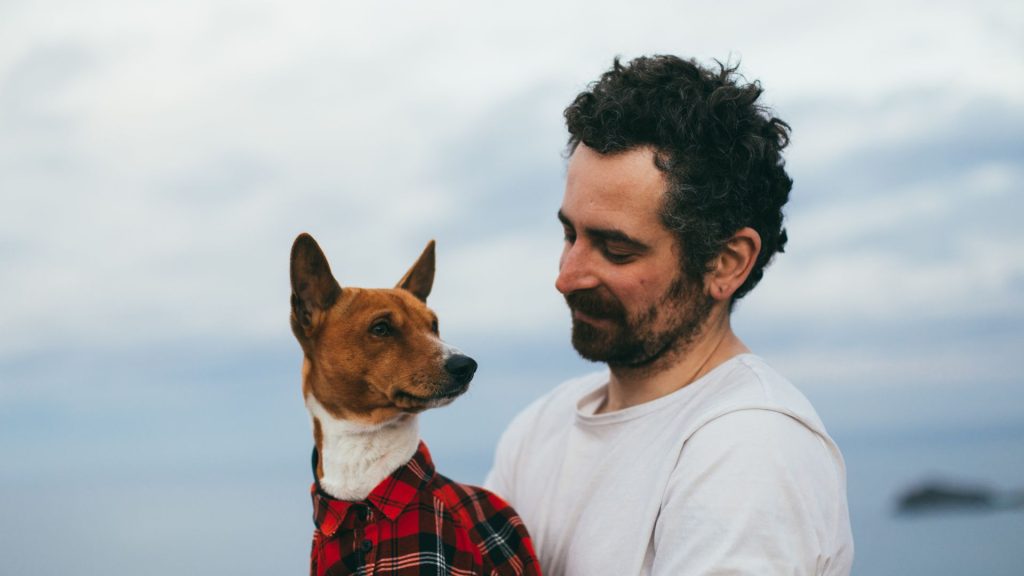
{"type": "Point", "coordinates": [719, 149]}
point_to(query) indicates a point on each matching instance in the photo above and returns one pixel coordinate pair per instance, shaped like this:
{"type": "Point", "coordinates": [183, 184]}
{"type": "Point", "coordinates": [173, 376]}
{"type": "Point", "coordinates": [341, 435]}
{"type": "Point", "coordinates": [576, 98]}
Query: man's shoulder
{"type": "Point", "coordinates": [749, 383]}
{"type": "Point", "coordinates": [562, 400]}
{"type": "Point", "coordinates": [755, 414]}
{"type": "Point", "coordinates": [533, 427]}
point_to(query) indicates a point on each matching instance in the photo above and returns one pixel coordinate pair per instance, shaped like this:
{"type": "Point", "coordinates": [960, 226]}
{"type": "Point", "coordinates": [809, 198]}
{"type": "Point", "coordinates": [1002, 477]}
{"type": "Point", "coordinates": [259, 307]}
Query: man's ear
{"type": "Point", "coordinates": [733, 264]}
{"type": "Point", "coordinates": [314, 289]}
{"type": "Point", "coordinates": [420, 278]}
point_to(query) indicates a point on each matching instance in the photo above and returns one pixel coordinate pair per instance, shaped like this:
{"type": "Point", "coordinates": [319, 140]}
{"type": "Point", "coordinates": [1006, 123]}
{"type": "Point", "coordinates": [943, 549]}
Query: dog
{"type": "Point", "coordinates": [372, 360]}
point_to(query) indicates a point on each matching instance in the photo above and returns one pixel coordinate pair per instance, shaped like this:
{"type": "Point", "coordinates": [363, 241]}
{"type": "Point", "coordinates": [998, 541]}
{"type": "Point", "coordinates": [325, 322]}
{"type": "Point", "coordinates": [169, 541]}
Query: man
{"type": "Point", "coordinates": [689, 455]}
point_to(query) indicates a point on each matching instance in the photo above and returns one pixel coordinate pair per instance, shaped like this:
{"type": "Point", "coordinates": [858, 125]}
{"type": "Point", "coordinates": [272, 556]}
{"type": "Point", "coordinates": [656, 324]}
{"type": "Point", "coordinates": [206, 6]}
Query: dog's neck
{"type": "Point", "coordinates": [356, 457]}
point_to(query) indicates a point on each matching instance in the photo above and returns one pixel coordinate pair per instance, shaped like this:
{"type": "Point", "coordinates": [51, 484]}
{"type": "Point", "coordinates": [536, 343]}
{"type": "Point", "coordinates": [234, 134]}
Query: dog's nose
{"type": "Point", "coordinates": [461, 367]}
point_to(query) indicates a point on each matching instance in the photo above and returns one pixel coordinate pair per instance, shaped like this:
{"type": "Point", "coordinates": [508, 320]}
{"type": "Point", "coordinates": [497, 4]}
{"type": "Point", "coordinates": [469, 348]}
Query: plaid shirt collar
{"type": "Point", "coordinates": [389, 497]}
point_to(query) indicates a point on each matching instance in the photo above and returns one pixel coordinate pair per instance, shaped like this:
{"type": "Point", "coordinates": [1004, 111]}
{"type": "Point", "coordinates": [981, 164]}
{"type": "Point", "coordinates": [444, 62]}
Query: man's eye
{"type": "Point", "coordinates": [618, 257]}
{"type": "Point", "coordinates": [569, 236]}
{"type": "Point", "coordinates": [381, 328]}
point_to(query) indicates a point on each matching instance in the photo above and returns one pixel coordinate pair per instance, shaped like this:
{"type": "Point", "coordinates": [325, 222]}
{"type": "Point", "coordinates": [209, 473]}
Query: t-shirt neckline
{"type": "Point", "coordinates": [590, 400]}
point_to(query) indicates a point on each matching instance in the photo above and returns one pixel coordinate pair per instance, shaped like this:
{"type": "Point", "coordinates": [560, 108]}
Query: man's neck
{"type": "Point", "coordinates": [716, 343]}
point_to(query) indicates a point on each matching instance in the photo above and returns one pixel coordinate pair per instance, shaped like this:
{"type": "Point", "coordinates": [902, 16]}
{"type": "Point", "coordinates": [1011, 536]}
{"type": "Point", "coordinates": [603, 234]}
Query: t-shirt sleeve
{"type": "Point", "coordinates": [502, 476]}
{"type": "Point", "coordinates": [498, 479]}
{"type": "Point", "coordinates": [753, 492]}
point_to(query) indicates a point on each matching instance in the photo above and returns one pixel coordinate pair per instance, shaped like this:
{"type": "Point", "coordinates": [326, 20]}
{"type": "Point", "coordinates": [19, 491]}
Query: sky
{"type": "Point", "coordinates": [157, 159]}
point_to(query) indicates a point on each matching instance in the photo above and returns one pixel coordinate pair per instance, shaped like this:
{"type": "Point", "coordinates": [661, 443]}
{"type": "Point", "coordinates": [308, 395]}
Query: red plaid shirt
{"type": "Point", "coordinates": [418, 522]}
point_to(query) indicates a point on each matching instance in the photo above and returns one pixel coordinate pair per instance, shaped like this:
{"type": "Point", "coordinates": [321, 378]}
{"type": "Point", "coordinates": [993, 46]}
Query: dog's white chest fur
{"type": "Point", "coordinates": [356, 457]}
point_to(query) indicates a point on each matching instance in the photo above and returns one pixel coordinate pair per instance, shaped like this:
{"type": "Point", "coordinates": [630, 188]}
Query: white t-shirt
{"type": "Point", "coordinates": [732, 474]}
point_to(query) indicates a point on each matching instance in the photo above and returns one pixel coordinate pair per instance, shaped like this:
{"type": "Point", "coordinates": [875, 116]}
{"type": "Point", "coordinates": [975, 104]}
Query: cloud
{"type": "Point", "coordinates": [910, 226]}
{"type": "Point", "coordinates": [162, 161]}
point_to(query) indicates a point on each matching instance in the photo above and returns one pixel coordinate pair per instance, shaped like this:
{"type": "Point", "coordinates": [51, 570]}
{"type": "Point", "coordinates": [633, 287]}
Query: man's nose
{"type": "Point", "coordinates": [575, 270]}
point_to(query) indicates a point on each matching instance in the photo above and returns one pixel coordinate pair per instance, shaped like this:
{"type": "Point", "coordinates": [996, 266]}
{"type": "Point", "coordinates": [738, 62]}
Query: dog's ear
{"type": "Point", "coordinates": [420, 278]}
{"type": "Point", "coordinates": [314, 289]}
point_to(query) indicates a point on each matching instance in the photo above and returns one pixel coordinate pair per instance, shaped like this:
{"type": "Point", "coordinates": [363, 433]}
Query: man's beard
{"type": "Point", "coordinates": [638, 340]}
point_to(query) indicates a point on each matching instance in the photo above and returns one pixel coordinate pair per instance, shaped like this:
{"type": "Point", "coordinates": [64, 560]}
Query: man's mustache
{"type": "Point", "coordinates": [595, 304]}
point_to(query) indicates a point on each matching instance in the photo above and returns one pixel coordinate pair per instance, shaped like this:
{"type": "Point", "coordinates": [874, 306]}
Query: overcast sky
{"type": "Point", "coordinates": [157, 159]}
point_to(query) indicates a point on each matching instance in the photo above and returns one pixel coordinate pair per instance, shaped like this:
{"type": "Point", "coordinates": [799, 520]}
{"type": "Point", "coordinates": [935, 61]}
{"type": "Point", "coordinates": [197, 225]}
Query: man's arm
{"type": "Point", "coordinates": [754, 492]}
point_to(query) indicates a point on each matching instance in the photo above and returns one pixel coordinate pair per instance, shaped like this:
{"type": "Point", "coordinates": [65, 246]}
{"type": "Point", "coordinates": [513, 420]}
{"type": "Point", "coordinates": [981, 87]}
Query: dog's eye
{"type": "Point", "coordinates": [434, 327]}
{"type": "Point", "coordinates": [381, 328]}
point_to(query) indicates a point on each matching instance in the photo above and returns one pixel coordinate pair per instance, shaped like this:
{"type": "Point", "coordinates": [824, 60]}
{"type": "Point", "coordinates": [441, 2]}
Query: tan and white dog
{"type": "Point", "coordinates": [373, 359]}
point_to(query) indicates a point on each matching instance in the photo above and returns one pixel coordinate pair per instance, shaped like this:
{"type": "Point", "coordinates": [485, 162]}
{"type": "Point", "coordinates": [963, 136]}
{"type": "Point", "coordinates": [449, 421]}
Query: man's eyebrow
{"type": "Point", "coordinates": [607, 234]}
{"type": "Point", "coordinates": [563, 219]}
